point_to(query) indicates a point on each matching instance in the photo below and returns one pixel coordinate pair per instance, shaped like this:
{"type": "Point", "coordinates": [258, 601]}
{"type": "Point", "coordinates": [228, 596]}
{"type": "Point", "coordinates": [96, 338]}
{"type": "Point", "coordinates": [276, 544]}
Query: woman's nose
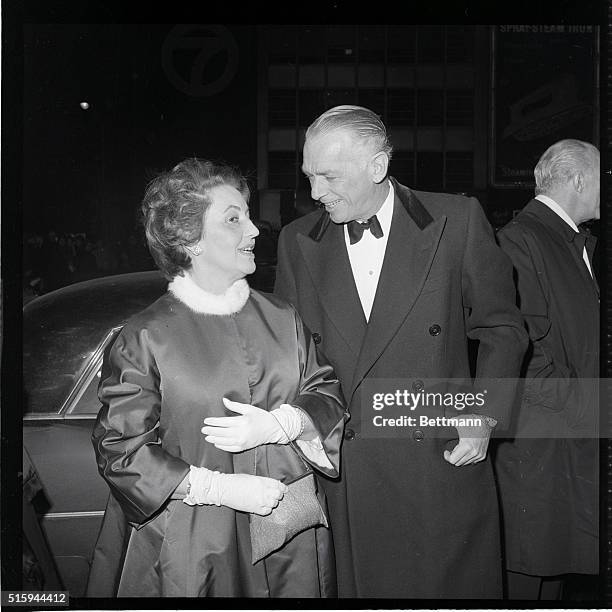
{"type": "Point", "coordinates": [252, 229]}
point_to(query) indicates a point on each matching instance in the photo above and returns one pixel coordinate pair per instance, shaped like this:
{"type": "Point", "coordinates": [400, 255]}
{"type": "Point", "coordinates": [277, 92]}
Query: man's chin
{"type": "Point", "coordinates": [339, 219]}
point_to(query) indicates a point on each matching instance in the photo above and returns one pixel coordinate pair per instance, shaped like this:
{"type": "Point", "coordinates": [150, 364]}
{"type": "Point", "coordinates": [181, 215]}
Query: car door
{"type": "Point", "coordinates": [59, 444]}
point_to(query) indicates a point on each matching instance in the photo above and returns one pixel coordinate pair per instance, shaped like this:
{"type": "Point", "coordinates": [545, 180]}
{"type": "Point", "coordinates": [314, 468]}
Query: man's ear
{"type": "Point", "coordinates": [578, 181]}
{"type": "Point", "coordinates": [379, 164]}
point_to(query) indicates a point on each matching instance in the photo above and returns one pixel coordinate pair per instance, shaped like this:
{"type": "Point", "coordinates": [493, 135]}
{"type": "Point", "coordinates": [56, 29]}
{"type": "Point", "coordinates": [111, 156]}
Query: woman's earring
{"type": "Point", "coordinates": [196, 250]}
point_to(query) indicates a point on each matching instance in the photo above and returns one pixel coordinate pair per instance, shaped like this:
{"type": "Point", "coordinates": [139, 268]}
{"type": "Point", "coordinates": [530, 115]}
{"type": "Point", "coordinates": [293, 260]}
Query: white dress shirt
{"type": "Point", "coordinates": [367, 255]}
{"type": "Point", "coordinates": [561, 213]}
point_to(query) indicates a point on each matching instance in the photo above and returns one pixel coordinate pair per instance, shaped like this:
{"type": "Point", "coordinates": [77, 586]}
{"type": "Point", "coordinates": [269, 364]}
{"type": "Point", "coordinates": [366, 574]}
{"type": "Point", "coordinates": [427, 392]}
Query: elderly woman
{"type": "Point", "coordinates": [214, 398]}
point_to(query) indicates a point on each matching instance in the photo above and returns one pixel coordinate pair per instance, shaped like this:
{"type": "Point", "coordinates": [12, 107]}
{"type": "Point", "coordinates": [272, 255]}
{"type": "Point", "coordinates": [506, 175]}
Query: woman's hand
{"type": "Point", "coordinates": [256, 494]}
{"type": "Point", "coordinates": [245, 492]}
{"type": "Point", "coordinates": [252, 428]}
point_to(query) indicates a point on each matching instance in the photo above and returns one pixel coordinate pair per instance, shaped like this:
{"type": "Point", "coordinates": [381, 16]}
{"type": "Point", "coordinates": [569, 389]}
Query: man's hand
{"type": "Point", "coordinates": [473, 442]}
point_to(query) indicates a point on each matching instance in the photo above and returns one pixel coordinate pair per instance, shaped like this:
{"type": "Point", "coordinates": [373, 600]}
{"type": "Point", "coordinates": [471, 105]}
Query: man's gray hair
{"type": "Point", "coordinates": [561, 161]}
{"type": "Point", "coordinates": [364, 124]}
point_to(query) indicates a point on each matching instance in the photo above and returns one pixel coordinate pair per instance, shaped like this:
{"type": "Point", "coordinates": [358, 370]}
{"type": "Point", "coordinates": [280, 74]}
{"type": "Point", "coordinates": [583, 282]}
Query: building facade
{"type": "Point", "coordinates": [432, 85]}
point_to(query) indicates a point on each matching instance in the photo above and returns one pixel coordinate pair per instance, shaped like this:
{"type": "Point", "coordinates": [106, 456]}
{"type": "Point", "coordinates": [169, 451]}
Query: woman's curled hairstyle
{"type": "Point", "coordinates": [174, 205]}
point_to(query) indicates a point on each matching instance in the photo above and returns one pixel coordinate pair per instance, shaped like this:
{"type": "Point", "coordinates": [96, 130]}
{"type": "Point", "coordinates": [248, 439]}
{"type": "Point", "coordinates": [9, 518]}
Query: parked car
{"type": "Point", "coordinates": [65, 334]}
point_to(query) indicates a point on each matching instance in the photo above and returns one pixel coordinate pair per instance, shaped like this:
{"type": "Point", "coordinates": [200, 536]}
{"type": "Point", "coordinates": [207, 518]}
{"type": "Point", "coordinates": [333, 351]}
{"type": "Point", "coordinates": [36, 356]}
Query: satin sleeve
{"type": "Point", "coordinates": [126, 439]}
{"type": "Point", "coordinates": [320, 397]}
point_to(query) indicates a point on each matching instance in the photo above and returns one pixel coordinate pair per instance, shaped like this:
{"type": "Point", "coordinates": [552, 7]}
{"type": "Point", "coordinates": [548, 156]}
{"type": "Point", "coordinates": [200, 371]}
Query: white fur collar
{"type": "Point", "coordinates": [185, 290]}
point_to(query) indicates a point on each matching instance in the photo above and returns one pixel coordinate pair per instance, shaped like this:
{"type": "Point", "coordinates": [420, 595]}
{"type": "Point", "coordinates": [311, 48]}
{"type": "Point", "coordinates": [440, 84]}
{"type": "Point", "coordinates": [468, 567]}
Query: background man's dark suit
{"type": "Point", "coordinates": [548, 486]}
{"type": "Point", "coordinates": [406, 523]}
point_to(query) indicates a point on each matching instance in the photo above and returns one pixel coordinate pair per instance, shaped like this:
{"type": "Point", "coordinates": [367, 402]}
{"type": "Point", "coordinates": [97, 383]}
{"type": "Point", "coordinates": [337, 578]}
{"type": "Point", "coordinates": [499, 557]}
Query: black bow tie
{"type": "Point", "coordinates": [584, 240]}
{"type": "Point", "coordinates": [355, 229]}
{"type": "Point", "coordinates": [580, 239]}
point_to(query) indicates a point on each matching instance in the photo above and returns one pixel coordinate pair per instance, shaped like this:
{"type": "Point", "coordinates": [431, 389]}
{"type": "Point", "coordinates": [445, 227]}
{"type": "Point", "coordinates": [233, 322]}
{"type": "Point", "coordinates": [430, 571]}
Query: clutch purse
{"type": "Point", "coordinates": [298, 510]}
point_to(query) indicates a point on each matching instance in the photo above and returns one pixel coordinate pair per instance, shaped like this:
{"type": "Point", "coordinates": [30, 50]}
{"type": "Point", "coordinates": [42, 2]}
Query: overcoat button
{"type": "Point", "coordinates": [349, 435]}
{"type": "Point", "coordinates": [418, 385]}
{"type": "Point", "coordinates": [316, 337]}
{"type": "Point", "coordinates": [435, 330]}
{"type": "Point", "coordinates": [418, 435]}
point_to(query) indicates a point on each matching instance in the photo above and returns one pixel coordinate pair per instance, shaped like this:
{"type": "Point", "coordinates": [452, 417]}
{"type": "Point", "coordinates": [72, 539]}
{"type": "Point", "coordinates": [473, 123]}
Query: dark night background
{"type": "Point", "coordinates": [106, 106]}
{"type": "Point", "coordinates": [85, 170]}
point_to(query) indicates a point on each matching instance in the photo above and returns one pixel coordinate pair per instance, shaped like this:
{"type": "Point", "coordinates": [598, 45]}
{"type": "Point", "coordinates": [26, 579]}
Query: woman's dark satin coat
{"type": "Point", "coordinates": [167, 371]}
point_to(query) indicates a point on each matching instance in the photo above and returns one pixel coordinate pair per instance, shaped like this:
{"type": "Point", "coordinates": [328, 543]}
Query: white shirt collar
{"type": "Point", "coordinates": [557, 209]}
{"type": "Point", "coordinates": [385, 213]}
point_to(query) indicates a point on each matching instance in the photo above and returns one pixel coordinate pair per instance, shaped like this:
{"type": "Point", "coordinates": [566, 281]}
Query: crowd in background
{"type": "Point", "coordinates": [54, 260]}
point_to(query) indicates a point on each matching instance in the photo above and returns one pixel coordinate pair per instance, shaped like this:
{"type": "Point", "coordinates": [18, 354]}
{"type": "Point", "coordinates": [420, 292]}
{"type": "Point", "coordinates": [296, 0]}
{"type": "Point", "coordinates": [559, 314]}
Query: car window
{"type": "Point", "coordinates": [87, 402]}
{"type": "Point", "coordinates": [53, 388]}
{"type": "Point", "coordinates": [52, 366]}
{"type": "Point", "coordinates": [66, 331]}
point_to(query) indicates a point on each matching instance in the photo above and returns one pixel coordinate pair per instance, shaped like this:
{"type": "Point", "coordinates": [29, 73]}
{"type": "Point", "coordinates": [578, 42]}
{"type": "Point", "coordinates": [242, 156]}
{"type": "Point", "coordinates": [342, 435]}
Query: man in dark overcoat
{"type": "Point", "coordinates": [392, 283]}
{"type": "Point", "coordinates": [548, 473]}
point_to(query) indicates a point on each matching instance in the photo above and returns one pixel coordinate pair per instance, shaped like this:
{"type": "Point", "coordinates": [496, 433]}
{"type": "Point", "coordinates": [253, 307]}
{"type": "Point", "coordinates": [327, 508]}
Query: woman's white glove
{"type": "Point", "coordinates": [245, 492]}
{"type": "Point", "coordinates": [253, 427]}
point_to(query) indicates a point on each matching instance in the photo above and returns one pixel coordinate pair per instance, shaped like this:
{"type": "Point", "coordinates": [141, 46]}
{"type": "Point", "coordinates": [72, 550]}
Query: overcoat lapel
{"type": "Point", "coordinates": [329, 266]}
{"type": "Point", "coordinates": [586, 275]}
{"type": "Point", "coordinates": [591, 250]}
{"type": "Point", "coordinates": [553, 221]}
{"type": "Point", "coordinates": [411, 248]}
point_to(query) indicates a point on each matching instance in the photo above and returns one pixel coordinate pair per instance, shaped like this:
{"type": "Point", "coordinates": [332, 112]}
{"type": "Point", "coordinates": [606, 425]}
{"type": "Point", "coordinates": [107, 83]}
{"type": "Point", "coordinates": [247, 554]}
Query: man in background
{"type": "Point", "coordinates": [548, 473]}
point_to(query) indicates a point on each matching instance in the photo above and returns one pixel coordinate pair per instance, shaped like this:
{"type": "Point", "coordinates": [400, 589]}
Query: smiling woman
{"type": "Point", "coordinates": [214, 400]}
{"type": "Point", "coordinates": [225, 252]}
